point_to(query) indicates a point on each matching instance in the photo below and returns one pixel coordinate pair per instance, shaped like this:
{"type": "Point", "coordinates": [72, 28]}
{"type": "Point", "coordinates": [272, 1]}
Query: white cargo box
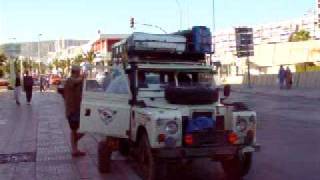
{"type": "Point", "coordinates": [157, 42]}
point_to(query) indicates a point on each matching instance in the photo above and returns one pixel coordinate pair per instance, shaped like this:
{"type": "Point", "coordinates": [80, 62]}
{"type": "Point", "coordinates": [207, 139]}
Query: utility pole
{"type": "Point", "coordinates": [21, 67]}
{"type": "Point", "coordinates": [213, 33]}
{"type": "Point", "coordinates": [249, 76]}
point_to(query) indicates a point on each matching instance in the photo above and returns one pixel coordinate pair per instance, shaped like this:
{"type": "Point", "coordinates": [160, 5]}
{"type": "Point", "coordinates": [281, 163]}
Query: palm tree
{"type": "Point", "coordinates": [63, 65]}
{"type": "Point", "coordinates": [90, 57]}
{"type": "Point", "coordinates": [3, 61]}
{"type": "Point", "coordinates": [78, 60]}
{"type": "Point", "coordinates": [56, 63]}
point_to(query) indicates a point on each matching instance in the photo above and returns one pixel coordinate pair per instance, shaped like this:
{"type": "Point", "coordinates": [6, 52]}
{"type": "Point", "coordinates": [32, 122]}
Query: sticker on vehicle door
{"type": "Point", "coordinates": [106, 115]}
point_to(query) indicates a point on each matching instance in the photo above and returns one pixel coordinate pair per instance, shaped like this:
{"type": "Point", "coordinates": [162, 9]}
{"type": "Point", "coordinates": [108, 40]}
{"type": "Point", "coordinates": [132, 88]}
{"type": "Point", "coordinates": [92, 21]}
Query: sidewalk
{"type": "Point", "coordinates": [41, 134]}
{"type": "Point", "coordinates": [272, 91]}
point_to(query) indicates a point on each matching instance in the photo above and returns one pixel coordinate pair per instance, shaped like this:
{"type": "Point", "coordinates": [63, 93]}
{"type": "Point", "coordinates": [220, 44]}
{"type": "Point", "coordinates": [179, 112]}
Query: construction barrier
{"type": "Point", "coordinates": [305, 80]}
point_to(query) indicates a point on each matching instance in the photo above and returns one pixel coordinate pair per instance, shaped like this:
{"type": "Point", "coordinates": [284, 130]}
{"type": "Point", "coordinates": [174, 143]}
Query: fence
{"type": "Point", "coordinates": [300, 80]}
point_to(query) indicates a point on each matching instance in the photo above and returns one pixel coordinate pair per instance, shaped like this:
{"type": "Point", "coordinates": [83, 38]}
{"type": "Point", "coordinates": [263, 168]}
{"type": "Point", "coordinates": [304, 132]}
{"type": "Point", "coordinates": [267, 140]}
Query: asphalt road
{"type": "Point", "coordinates": [288, 130]}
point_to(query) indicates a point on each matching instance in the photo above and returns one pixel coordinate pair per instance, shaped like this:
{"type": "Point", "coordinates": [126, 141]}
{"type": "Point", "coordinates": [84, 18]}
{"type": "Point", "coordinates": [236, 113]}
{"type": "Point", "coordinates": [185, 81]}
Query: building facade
{"type": "Point", "coordinates": [102, 46]}
{"type": "Point", "coordinates": [264, 34]}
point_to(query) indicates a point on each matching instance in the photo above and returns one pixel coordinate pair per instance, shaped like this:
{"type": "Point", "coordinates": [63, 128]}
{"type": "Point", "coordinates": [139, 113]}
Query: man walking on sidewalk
{"type": "Point", "coordinates": [27, 84]}
{"type": "Point", "coordinates": [17, 89]}
{"type": "Point", "coordinates": [281, 76]}
{"type": "Point", "coordinates": [72, 98]}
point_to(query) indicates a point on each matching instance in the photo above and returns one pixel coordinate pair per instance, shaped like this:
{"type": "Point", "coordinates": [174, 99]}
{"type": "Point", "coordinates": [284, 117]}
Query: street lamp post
{"type": "Point", "coordinates": [180, 13]}
{"type": "Point", "coordinates": [213, 32]}
{"type": "Point", "coordinates": [39, 58]}
{"type": "Point", "coordinates": [21, 67]}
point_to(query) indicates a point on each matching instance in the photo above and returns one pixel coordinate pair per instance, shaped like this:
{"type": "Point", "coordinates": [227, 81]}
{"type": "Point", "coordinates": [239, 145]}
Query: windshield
{"type": "Point", "coordinates": [158, 80]}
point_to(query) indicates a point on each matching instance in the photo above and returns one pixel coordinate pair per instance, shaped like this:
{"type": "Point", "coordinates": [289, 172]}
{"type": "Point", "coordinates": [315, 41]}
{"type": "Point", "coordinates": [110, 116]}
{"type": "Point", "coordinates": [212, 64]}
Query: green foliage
{"type": "Point", "coordinates": [78, 60]}
{"type": "Point", "coordinates": [50, 66]}
{"type": "Point", "coordinates": [90, 57]}
{"type": "Point", "coordinates": [3, 62]}
{"type": "Point", "coordinates": [301, 35]}
{"type": "Point", "coordinates": [3, 59]}
{"type": "Point", "coordinates": [55, 63]}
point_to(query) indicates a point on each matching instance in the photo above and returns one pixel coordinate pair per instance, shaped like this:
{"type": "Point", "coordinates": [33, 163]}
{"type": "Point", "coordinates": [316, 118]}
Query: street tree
{"type": "Point", "coordinates": [78, 60]}
{"type": "Point", "coordinates": [301, 35]}
{"type": "Point", "coordinates": [63, 65]}
{"type": "Point", "coordinates": [3, 62]}
{"type": "Point", "coordinates": [56, 64]}
{"type": "Point", "coordinates": [90, 57]}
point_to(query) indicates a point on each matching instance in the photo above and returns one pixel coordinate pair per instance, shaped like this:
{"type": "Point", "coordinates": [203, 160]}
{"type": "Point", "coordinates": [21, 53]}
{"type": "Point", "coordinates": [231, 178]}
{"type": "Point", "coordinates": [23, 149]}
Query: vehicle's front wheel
{"type": "Point", "coordinates": [238, 166]}
{"type": "Point", "coordinates": [149, 167]}
{"type": "Point", "coordinates": [104, 157]}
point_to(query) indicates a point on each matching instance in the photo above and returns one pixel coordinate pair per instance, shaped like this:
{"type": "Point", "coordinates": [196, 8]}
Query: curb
{"type": "Point", "coordinates": [271, 94]}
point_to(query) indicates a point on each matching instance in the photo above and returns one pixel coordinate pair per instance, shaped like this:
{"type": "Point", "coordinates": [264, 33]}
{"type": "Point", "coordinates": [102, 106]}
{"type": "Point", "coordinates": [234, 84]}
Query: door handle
{"type": "Point", "coordinates": [87, 112]}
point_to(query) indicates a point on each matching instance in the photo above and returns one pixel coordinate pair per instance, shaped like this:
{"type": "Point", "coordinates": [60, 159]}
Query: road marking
{"type": "Point", "coordinates": [3, 121]}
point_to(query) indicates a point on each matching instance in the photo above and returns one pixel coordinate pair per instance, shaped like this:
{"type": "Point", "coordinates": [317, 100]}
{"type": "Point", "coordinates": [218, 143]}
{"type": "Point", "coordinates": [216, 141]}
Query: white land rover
{"type": "Point", "coordinates": [167, 111]}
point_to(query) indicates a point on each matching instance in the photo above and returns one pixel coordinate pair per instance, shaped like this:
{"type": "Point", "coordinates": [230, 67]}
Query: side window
{"type": "Point", "coordinates": [93, 86]}
{"type": "Point", "coordinates": [118, 84]}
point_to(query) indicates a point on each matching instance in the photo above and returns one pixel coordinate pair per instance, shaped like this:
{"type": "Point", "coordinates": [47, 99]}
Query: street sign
{"type": "Point", "coordinates": [244, 42]}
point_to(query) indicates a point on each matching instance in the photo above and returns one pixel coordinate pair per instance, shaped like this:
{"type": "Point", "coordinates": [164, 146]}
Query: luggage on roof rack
{"type": "Point", "coordinates": [199, 39]}
{"type": "Point", "coordinates": [183, 46]}
{"type": "Point", "coordinates": [156, 42]}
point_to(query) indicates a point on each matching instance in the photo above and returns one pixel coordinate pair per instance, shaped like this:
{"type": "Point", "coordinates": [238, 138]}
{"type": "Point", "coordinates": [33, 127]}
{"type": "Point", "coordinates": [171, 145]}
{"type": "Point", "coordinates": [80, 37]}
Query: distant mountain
{"type": "Point", "coordinates": [30, 49]}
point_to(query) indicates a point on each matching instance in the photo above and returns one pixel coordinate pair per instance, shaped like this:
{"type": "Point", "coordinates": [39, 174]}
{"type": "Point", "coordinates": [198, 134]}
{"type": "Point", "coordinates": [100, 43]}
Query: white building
{"type": "Point", "coordinates": [270, 33]}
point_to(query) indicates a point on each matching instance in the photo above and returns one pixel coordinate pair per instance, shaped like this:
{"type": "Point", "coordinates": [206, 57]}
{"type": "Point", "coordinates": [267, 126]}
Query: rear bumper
{"type": "Point", "coordinates": [214, 152]}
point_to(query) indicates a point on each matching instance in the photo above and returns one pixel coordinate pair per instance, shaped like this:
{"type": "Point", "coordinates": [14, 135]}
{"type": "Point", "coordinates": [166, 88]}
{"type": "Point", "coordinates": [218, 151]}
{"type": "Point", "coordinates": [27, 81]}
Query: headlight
{"type": "Point", "coordinates": [241, 124]}
{"type": "Point", "coordinates": [171, 127]}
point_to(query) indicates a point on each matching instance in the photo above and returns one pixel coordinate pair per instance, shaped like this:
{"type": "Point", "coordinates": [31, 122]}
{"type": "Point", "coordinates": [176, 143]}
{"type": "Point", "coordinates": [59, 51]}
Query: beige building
{"type": "Point", "coordinates": [271, 45]}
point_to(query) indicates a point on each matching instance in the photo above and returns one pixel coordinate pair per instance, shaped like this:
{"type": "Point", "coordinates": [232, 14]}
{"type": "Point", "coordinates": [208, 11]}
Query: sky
{"type": "Point", "coordinates": [81, 19]}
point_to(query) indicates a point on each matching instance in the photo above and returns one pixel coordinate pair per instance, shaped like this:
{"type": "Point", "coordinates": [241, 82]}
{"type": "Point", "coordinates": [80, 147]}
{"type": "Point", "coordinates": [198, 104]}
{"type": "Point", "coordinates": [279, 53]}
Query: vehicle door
{"type": "Point", "coordinates": [105, 107]}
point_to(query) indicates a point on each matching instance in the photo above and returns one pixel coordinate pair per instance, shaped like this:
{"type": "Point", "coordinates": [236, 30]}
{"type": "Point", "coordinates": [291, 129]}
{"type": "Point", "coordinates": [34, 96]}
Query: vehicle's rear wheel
{"type": "Point", "coordinates": [104, 157]}
{"type": "Point", "coordinates": [238, 166]}
{"type": "Point", "coordinates": [124, 147]}
{"type": "Point", "coordinates": [149, 167]}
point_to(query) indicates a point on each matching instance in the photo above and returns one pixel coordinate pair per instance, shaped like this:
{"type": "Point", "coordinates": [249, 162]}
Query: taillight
{"type": "Point", "coordinates": [233, 138]}
{"type": "Point", "coordinates": [188, 139]}
{"type": "Point", "coordinates": [250, 137]}
{"type": "Point", "coordinates": [161, 138]}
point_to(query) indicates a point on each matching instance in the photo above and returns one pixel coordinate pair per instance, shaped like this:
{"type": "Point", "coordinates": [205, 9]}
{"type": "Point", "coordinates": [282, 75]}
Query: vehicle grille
{"type": "Point", "coordinates": [206, 137]}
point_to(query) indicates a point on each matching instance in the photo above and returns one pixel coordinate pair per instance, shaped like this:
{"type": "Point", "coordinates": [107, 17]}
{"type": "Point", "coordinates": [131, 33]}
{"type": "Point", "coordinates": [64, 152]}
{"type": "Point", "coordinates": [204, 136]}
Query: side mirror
{"type": "Point", "coordinates": [130, 102]}
{"type": "Point", "coordinates": [128, 71]}
{"type": "Point", "coordinates": [226, 90]}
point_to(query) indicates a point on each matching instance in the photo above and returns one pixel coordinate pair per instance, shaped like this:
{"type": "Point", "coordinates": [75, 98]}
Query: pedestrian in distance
{"type": "Point", "coordinates": [17, 89]}
{"type": "Point", "coordinates": [48, 82]}
{"type": "Point", "coordinates": [27, 85]}
{"type": "Point", "coordinates": [42, 84]}
{"type": "Point", "coordinates": [281, 77]}
{"type": "Point", "coordinates": [288, 78]}
{"type": "Point", "coordinates": [72, 99]}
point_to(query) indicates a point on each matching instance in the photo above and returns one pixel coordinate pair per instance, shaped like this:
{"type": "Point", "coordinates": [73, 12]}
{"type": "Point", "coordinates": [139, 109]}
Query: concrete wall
{"type": "Point", "coordinates": [305, 80]}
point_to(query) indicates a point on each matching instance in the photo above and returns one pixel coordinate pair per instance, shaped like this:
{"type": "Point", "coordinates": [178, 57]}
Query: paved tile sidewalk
{"type": "Point", "coordinates": [302, 93]}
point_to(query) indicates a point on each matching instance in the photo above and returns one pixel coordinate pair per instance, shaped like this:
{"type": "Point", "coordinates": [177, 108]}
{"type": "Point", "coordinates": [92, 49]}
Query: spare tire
{"type": "Point", "coordinates": [191, 95]}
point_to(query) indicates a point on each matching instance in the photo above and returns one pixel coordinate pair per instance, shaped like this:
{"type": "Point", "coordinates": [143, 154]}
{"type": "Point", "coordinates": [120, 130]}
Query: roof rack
{"type": "Point", "coordinates": [145, 56]}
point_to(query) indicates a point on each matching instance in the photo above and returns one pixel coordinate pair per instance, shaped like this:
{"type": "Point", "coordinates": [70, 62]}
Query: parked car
{"type": "Point", "coordinates": [4, 82]}
{"type": "Point", "coordinates": [55, 80]}
{"type": "Point", "coordinates": [36, 81]}
{"type": "Point", "coordinates": [60, 87]}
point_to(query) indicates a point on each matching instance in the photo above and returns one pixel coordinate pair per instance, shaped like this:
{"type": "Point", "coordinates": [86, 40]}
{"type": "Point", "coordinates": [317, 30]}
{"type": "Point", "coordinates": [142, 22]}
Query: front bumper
{"type": "Point", "coordinates": [214, 152]}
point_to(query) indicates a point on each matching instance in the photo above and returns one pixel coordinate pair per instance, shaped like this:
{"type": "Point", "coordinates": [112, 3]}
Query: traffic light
{"type": "Point", "coordinates": [132, 22]}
